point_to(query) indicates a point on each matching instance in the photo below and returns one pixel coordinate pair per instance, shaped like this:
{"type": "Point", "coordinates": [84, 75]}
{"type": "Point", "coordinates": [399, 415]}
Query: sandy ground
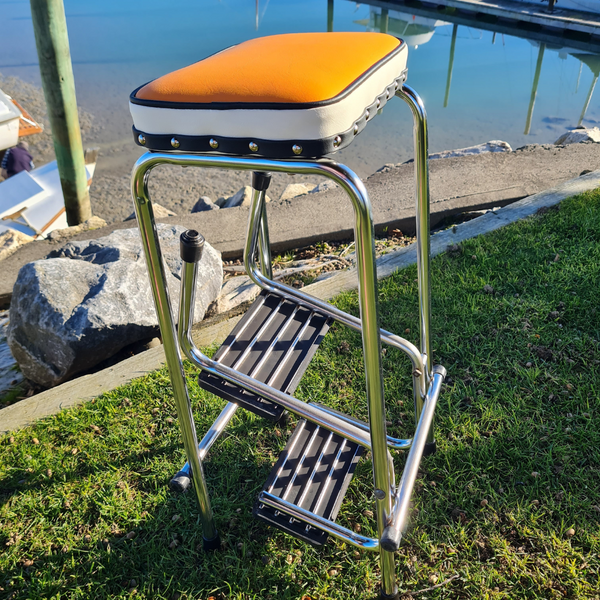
{"type": "Point", "coordinates": [175, 188]}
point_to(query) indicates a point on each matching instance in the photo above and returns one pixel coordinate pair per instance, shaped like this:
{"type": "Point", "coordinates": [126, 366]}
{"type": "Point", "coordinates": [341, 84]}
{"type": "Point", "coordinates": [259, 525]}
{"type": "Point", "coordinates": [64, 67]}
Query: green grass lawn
{"type": "Point", "coordinates": [509, 505]}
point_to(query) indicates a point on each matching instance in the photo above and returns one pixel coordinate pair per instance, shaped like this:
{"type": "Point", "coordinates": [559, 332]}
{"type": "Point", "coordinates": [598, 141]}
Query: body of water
{"type": "Point", "coordinates": [477, 85]}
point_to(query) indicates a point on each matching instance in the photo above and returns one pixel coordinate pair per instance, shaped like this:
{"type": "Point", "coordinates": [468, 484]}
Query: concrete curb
{"type": "Point", "coordinates": [85, 388]}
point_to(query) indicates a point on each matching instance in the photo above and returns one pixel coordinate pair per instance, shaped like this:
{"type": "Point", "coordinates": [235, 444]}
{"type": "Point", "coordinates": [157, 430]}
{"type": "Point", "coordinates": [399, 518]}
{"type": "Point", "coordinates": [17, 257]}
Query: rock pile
{"type": "Point", "coordinates": [90, 299]}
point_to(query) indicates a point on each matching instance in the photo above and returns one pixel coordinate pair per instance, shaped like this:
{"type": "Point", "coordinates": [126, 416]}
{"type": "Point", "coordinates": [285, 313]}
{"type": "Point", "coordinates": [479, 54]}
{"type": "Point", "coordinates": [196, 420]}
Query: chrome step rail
{"type": "Point", "coordinates": [392, 534]}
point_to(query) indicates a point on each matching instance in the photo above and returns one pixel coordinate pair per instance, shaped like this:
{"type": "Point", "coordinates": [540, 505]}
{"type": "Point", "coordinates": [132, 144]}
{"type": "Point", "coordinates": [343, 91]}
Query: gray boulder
{"type": "Point", "coordinates": [91, 298]}
{"type": "Point", "coordinates": [579, 135]}
{"type": "Point", "coordinates": [491, 146]}
{"type": "Point", "coordinates": [242, 197]}
{"type": "Point", "coordinates": [294, 190]}
{"type": "Point", "coordinates": [204, 204]}
{"type": "Point", "coordinates": [324, 186]}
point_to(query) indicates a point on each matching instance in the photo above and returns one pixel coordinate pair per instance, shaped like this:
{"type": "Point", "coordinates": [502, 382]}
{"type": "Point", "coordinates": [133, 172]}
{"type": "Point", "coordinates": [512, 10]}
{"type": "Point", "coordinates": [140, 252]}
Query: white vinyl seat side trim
{"type": "Point", "coordinates": [286, 124]}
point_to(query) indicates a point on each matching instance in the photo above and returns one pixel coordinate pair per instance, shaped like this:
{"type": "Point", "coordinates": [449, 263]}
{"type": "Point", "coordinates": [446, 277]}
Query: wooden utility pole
{"type": "Point", "coordinates": [52, 41]}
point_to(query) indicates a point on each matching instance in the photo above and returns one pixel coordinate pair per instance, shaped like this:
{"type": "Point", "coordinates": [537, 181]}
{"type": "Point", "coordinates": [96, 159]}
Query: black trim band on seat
{"type": "Point", "coordinates": [266, 105]}
{"type": "Point", "coordinates": [300, 149]}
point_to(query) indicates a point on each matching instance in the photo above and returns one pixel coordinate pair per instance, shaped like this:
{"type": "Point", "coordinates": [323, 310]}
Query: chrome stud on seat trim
{"type": "Point", "coordinates": [355, 129]}
{"type": "Point", "coordinates": [142, 139]}
{"type": "Point", "coordinates": [213, 143]}
{"type": "Point", "coordinates": [368, 114]}
{"type": "Point", "coordinates": [337, 141]}
{"type": "Point", "coordinates": [378, 102]}
{"type": "Point", "coordinates": [175, 143]}
{"type": "Point", "coordinates": [253, 146]}
{"type": "Point", "coordinates": [297, 149]}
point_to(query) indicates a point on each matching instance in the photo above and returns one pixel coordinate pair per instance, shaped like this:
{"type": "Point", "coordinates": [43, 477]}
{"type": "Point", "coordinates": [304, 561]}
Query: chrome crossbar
{"type": "Point", "coordinates": [301, 514]}
{"type": "Point", "coordinates": [392, 442]}
{"type": "Point", "coordinates": [211, 436]}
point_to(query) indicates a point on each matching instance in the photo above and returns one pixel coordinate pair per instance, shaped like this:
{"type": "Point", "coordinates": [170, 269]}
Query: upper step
{"type": "Point", "coordinates": [273, 343]}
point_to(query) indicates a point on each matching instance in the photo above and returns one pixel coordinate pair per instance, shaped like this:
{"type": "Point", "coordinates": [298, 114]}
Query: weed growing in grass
{"type": "Point", "coordinates": [509, 507]}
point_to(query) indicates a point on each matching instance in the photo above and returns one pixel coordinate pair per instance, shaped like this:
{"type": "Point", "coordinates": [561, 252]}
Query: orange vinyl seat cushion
{"type": "Point", "coordinates": [292, 68]}
{"type": "Point", "coordinates": [288, 79]}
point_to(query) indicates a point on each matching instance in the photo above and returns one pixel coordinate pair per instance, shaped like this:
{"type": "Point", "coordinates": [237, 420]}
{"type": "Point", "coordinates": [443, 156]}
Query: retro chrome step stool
{"type": "Point", "coordinates": [280, 104]}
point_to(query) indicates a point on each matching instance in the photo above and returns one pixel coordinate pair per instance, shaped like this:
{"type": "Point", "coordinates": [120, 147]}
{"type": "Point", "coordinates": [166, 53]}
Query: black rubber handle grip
{"type": "Point", "coordinates": [191, 245]}
{"type": "Point", "coordinates": [261, 180]}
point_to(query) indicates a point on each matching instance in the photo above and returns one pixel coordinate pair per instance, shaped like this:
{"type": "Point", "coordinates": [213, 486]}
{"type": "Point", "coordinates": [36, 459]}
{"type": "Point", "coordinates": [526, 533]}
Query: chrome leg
{"type": "Point", "coordinates": [422, 216]}
{"type": "Point", "coordinates": [260, 183]}
{"type": "Point", "coordinates": [158, 284]}
{"type": "Point", "coordinates": [364, 236]}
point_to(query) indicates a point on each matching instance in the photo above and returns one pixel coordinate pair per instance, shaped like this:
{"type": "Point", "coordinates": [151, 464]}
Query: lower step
{"type": "Point", "coordinates": [273, 343]}
{"type": "Point", "coordinates": [313, 472]}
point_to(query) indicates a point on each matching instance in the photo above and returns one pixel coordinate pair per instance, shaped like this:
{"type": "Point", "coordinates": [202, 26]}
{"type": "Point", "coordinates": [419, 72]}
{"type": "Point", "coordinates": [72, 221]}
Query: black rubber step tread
{"type": "Point", "coordinates": [283, 367]}
{"type": "Point", "coordinates": [313, 472]}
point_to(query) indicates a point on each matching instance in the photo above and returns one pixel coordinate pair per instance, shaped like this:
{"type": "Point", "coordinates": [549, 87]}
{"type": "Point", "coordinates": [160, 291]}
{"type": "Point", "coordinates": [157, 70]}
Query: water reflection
{"type": "Point", "coordinates": [417, 30]}
{"type": "Point", "coordinates": [591, 60]}
{"type": "Point", "coordinates": [413, 29]}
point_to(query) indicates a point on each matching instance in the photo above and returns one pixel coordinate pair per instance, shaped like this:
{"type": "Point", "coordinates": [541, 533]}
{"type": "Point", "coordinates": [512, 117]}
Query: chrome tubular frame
{"type": "Point", "coordinates": [391, 502]}
{"type": "Point", "coordinates": [422, 226]}
{"type": "Point", "coordinates": [160, 293]}
{"type": "Point", "coordinates": [398, 521]}
{"type": "Point", "coordinates": [263, 240]}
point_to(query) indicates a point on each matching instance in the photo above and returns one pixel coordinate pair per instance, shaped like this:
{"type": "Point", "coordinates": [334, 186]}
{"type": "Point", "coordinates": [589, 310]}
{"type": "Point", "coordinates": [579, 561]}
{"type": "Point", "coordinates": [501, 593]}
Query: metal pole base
{"type": "Point", "coordinates": [211, 545]}
{"type": "Point", "coordinates": [180, 482]}
{"type": "Point", "coordinates": [430, 448]}
{"type": "Point", "coordinates": [383, 596]}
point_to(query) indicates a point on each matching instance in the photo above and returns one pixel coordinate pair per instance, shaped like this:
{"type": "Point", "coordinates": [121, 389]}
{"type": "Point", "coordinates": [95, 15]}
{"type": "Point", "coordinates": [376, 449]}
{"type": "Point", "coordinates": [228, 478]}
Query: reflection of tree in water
{"type": "Point", "coordinates": [593, 62]}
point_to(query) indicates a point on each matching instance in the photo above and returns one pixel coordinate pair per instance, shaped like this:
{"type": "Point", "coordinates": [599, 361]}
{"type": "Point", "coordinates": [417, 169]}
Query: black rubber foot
{"type": "Point", "coordinates": [180, 482]}
{"type": "Point", "coordinates": [212, 545]}
{"type": "Point", "coordinates": [383, 596]}
{"type": "Point", "coordinates": [430, 448]}
{"type": "Point", "coordinates": [284, 419]}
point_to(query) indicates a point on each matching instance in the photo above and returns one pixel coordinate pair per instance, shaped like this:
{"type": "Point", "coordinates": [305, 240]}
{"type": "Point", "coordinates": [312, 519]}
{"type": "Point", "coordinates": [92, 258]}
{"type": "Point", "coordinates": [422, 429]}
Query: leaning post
{"type": "Point", "coordinates": [52, 41]}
